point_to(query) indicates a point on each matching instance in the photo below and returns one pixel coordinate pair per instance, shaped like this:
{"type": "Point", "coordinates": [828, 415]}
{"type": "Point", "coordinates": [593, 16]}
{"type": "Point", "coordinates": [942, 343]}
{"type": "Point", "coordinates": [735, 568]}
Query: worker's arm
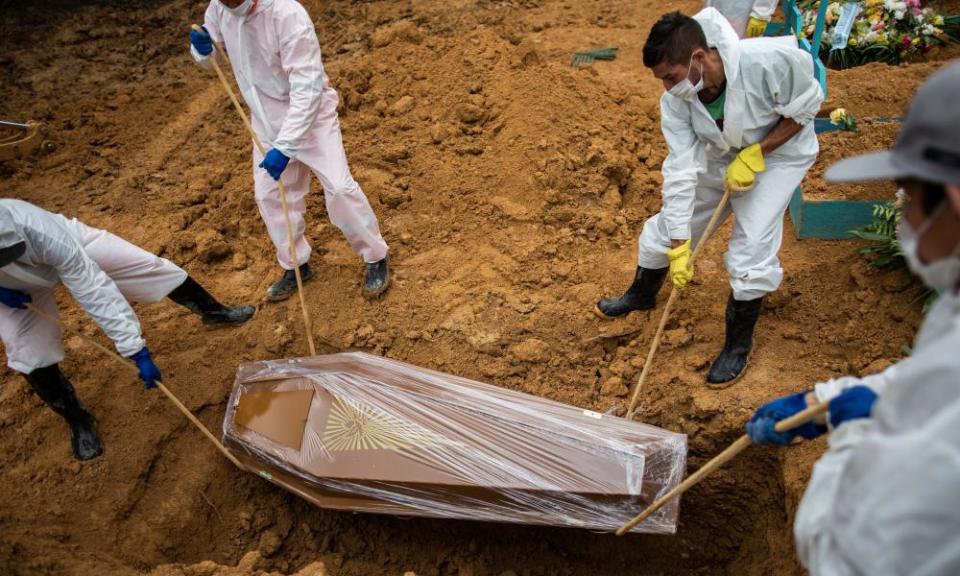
{"type": "Point", "coordinates": [883, 501]}
{"type": "Point", "coordinates": [300, 59]}
{"type": "Point", "coordinates": [785, 129]}
{"type": "Point", "coordinates": [796, 94]}
{"type": "Point", "coordinates": [761, 427]}
{"type": "Point", "coordinates": [211, 23]}
{"type": "Point", "coordinates": [826, 391]}
{"type": "Point", "coordinates": [93, 289]}
{"type": "Point", "coordinates": [685, 161]}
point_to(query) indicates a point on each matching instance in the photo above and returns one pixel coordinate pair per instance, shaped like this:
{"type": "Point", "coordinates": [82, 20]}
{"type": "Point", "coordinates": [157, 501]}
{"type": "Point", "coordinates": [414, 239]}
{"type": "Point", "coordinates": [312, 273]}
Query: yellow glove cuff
{"type": "Point", "coordinates": [752, 156]}
{"type": "Point", "coordinates": [679, 252]}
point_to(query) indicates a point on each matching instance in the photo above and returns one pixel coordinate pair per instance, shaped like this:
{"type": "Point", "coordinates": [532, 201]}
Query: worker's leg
{"type": "Point", "coordinates": [296, 182]}
{"type": "Point", "coordinates": [653, 244]}
{"type": "Point", "coordinates": [753, 256]}
{"type": "Point", "coordinates": [654, 241]}
{"type": "Point", "coordinates": [58, 393]}
{"type": "Point", "coordinates": [144, 277]}
{"type": "Point", "coordinates": [34, 347]}
{"type": "Point", "coordinates": [752, 261]}
{"type": "Point", "coordinates": [195, 298]}
{"type": "Point", "coordinates": [346, 203]}
{"type": "Point", "coordinates": [140, 275]}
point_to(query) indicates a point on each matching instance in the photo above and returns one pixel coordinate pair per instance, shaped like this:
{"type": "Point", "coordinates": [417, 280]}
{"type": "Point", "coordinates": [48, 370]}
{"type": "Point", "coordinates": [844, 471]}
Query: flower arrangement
{"type": "Point", "coordinates": [888, 31]}
{"type": "Point", "coordinates": [839, 117]}
{"type": "Point", "coordinates": [883, 248]}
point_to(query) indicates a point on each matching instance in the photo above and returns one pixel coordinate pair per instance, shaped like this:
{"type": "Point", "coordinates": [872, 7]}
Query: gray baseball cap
{"type": "Point", "coordinates": [928, 146]}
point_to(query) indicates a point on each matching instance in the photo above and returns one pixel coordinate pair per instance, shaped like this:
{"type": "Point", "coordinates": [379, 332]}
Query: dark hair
{"type": "Point", "coordinates": [673, 38]}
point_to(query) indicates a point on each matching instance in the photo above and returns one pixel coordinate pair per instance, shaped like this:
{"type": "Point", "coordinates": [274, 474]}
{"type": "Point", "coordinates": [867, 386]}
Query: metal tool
{"type": "Point", "coordinates": [589, 56]}
{"type": "Point", "coordinates": [10, 124]}
{"type": "Point", "coordinates": [21, 143]}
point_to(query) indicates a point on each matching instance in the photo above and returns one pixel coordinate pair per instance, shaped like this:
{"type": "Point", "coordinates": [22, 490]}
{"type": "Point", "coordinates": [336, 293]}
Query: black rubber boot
{"type": "Point", "coordinates": [195, 298]}
{"type": "Point", "coordinates": [641, 295]}
{"type": "Point", "coordinates": [741, 317]}
{"type": "Point", "coordinates": [376, 278]}
{"type": "Point", "coordinates": [54, 389]}
{"type": "Point", "coordinates": [286, 286]}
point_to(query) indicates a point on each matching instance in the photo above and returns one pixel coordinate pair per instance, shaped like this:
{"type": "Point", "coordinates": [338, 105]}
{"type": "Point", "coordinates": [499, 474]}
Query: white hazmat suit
{"type": "Point", "coordinates": [767, 79]}
{"type": "Point", "coordinates": [883, 499]}
{"type": "Point", "coordinates": [275, 56]}
{"type": "Point", "coordinates": [739, 12]}
{"type": "Point", "coordinates": [101, 271]}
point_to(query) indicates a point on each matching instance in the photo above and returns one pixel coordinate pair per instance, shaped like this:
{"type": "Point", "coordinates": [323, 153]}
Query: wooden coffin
{"type": "Point", "coordinates": [358, 432]}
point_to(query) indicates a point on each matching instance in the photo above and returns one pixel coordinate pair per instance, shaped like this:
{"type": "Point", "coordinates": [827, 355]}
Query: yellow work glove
{"type": "Point", "coordinates": [680, 270]}
{"type": "Point", "coordinates": [756, 27]}
{"type": "Point", "coordinates": [742, 172]}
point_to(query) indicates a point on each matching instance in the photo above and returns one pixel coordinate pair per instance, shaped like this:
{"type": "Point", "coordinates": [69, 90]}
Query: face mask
{"type": "Point", "coordinates": [940, 274]}
{"type": "Point", "coordinates": [685, 89]}
{"type": "Point", "coordinates": [240, 10]}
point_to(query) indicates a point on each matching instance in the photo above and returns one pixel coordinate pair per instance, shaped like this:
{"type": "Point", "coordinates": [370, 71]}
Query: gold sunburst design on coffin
{"type": "Point", "coordinates": [353, 425]}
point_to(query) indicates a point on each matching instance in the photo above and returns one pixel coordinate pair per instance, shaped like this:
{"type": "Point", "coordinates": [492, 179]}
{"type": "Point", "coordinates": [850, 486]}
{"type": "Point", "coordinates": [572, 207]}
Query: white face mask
{"type": "Point", "coordinates": [685, 89]}
{"type": "Point", "coordinates": [240, 10]}
{"type": "Point", "coordinates": [940, 274]}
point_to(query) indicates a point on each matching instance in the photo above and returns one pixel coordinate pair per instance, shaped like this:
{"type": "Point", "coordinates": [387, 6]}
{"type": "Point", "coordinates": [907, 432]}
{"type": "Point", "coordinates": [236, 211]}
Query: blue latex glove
{"type": "Point", "coordinates": [274, 163]}
{"type": "Point", "coordinates": [761, 426]}
{"type": "Point", "coordinates": [853, 403]}
{"type": "Point", "coordinates": [202, 41]}
{"type": "Point", "coordinates": [14, 298]}
{"type": "Point", "coordinates": [149, 372]}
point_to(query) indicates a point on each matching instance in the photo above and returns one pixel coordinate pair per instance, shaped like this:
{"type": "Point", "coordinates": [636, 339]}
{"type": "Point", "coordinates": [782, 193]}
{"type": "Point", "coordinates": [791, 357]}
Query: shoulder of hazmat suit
{"type": "Point", "coordinates": [275, 55]}
{"type": "Point", "coordinates": [767, 79]}
{"type": "Point", "coordinates": [54, 254]}
{"type": "Point", "coordinates": [883, 499]}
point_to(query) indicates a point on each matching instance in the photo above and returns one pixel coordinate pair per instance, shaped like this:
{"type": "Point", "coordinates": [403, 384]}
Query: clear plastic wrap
{"type": "Point", "coordinates": [363, 433]}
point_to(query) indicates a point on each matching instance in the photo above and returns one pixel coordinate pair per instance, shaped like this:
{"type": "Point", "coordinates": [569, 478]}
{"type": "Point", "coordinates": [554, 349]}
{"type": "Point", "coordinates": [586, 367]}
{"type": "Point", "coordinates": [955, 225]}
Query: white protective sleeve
{"type": "Point", "coordinates": [827, 391]}
{"type": "Point", "coordinates": [90, 286]}
{"type": "Point", "coordinates": [763, 9]}
{"type": "Point", "coordinates": [884, 504]}
{"type": "Point", "coordinates": [203, 61]}
{"type": "Point", "coordinates": [212, 25]}
{"type": "Point", "coordinates": [685, 161]}
{"type": "Point", "coordinates": [791, 83]}
{"type": "Point", "coordinates": [300, 59]}
{"type": "Point", "coordinates": [882, 500]}
{"type": "Point", "coordinates": [821, 492]}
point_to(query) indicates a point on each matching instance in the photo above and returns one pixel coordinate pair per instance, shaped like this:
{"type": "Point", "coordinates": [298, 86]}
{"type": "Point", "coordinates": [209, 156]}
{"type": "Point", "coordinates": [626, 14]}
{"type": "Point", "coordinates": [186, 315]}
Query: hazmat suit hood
{"type": "Point", "coordinates": [259, 6]}
{"type": "Point", "coordinates": [247, 9]}
{"type": "Point", "coordinates": [12, 245]}
{"type": "Point", "coordinates": [721, 35]}
{"type": "Point", "coordinates": [262, 5]}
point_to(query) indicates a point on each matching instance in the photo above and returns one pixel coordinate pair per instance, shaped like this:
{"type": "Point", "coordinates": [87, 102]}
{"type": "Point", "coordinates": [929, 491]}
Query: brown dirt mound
{"type": "Point", "coordinates": [511, 188]}
{"type": "Point", "coordinates": [249, 565]}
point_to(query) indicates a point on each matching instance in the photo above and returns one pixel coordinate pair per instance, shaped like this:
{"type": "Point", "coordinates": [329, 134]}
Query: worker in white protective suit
{"type": "Point", "coordinates": [883, 498]}
{"type": "Point", "coordinates": [275, 54]}
{"type": "Point", "coordinates": [749, 18]}
{"type": "Point", "coordinates": [738, 115]}
{"type": "Point", "coordinates": [38, 251]}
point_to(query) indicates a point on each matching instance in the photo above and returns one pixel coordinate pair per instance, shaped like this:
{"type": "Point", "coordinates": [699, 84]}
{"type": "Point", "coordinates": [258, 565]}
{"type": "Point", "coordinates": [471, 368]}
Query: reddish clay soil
{"type": "Point", "coordinates": [511, 188]}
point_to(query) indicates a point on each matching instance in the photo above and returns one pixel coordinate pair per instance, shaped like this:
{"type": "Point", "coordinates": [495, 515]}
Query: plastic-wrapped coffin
{"type": "Point", "coordinates": [362, 433]}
